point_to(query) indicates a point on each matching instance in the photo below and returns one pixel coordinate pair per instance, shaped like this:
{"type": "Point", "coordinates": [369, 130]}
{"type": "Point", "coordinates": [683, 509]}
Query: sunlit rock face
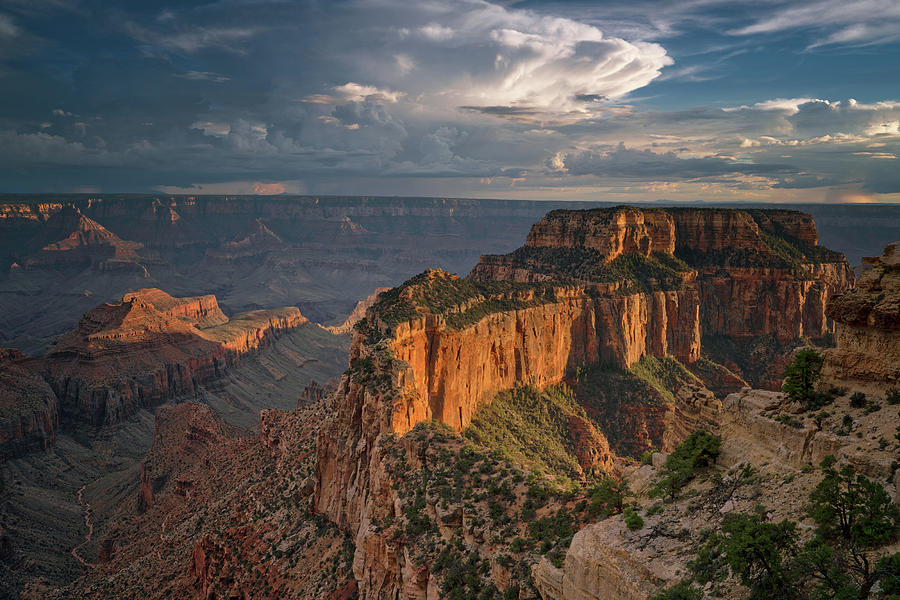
{"type": "Point", "coordinates": [599, 286]}
{"type": "Point", "coordinates": [149, 348]}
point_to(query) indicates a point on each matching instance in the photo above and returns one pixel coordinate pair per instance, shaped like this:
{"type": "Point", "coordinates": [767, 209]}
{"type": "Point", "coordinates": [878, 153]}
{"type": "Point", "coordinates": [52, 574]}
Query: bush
{"type": "Point", "coordinates": [679, 591]}
{"type": "Point", "coordinates": [607, 497]}
{"type": "Point", "coordinates": [893, 396]}
{"type": "Point", "coordinates": [699, 450]}
{"type": "Point", "coordinates": [858, 400]}
{"type": "Point", "coordinates": [647, 456]}
{"type": "Point", "coordinates": [633, 520]}
{"type": "Point", "coordinates": [801, 376]}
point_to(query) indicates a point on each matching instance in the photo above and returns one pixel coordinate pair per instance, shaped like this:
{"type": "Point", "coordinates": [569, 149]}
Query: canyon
{"type": "Point", "coordinates": [416, 473]}
{"type": "Point", "coordinates": [640, 284]}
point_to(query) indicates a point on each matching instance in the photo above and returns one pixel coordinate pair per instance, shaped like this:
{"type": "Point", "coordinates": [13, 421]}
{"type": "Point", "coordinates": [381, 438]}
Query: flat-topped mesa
{"type": "Point", "coordinates": [150, 348]}
{"type": "Point", "coordinates": [759, 272]}
{"type": "Point", "coordinates": [867, 324]}
{"type": "Point", "coordinates": [618, 231]}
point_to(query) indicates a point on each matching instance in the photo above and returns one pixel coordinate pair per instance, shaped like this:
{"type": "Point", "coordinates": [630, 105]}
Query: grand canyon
{"type": "Point", "coordinates": [450, 300]}
{"type": "Point", "coordinates": [294, 398]}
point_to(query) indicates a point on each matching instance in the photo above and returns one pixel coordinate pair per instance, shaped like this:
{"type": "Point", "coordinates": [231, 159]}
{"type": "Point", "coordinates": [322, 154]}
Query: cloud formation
{"type": "Point", "coordinates": [631, 100]}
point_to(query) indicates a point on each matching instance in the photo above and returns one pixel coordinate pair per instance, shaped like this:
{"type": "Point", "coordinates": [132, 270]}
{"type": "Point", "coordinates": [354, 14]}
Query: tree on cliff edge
{"type": "Point", "coordinates": [801, 376]}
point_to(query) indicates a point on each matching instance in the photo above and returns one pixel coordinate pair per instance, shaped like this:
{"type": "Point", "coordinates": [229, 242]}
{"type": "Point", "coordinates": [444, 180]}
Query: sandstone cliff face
{"type": "Point", "coordinates": [149, 349]}
{"type": "Point", "coordinates": [29, 415]}
{"type": "Point", "coordinates": [867, 328]}
{"type": "Point", "coordinates": [759, 272]}
{"type": "Point", "coordinates": [612, 232]}
{"type": "Point", "coordinates": [452, 372]}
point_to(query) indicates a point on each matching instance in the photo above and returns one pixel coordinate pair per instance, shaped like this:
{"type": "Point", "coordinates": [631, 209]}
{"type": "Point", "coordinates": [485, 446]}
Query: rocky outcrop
{"type": "Point", "coordinates": [151, 348]}
{"type": "Point", "coordinates": [78, 241]}
{"type": "Point", "coordinates": [611, 232]}
{"type": "Point", "coordinates": [29, 415]}
{"type": "Point", "coordinates": [606, 561]}
{"type": "Point", "coordinates": [758, 272]}
{"type": "Point", "coordinates": [438, 347]}
{"type": "Point", "coordinates": [257, 241]}
{"type": "Point", "coordinates": [696, 408]}
{"type": "Point", "coordinates": [867, 330]}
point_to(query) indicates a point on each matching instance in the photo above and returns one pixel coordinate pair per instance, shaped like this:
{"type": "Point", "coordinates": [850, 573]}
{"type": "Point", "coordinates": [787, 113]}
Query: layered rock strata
{"type": "Point", "coordinates": [758, 272]}
{"type": "Point", "coordinates": [600, 286]}
{"type": "Point", "coordinates": [150, 348]}
{"type": "Point", "coordinates": [867, 324]}
{"type": "Point", "coordinates": [29, 415]}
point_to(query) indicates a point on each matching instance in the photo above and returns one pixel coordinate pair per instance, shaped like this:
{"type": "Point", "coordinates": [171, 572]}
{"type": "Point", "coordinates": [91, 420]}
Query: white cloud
{"type": "Point", "coordinates": [355, 92]}
{"type": "Point", "coordinates": [436, 32]}
{"type": "Point", "coordinates": [860, 22]}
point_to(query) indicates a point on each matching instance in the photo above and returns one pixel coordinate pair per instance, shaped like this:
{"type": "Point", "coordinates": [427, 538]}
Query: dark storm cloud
{"type": "Point", "coordinates": [635, 164]}
{"type": "Point", "coordinates": [116, 95]}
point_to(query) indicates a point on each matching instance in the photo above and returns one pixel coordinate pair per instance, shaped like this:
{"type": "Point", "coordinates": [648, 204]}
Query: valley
{"type": "Point", "coordinates": [237, 414]}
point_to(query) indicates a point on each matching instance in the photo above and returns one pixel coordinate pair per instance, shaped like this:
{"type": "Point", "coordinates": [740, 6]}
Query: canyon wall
{"type": "Point", "coordinates": [29, 415]}
{"type": "Point", "coordinates": [867, 331]}
{"type": "Point", "coordinates": [437, 348]}
{"type": "Point", "coordinates": [150, 348]}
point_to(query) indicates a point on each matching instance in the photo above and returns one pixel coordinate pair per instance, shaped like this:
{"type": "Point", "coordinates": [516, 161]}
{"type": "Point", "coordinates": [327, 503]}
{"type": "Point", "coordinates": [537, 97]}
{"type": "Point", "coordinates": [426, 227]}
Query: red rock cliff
{"type": "Point", "coordinates": [151, 348]}
{"type": "Point", "coordinates": [868, 325]}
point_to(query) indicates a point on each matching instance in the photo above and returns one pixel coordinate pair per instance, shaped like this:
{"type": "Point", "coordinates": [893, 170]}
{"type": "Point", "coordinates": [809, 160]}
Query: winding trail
{"type": "Point", "coordinates": [90, 527]}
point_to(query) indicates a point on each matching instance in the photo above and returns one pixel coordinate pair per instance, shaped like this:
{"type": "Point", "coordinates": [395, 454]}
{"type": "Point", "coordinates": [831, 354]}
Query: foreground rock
{"type": "Point", "coordinates": [867, 325]}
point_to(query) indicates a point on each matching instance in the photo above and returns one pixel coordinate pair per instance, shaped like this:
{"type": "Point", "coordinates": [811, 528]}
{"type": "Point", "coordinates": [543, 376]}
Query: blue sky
{"type": "Point", "coordinates": [713, 100]}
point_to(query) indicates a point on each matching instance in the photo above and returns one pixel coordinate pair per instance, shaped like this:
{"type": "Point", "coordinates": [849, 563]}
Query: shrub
{"type": "Point", "coordinates": [607, 497]}
{"type": "Point", "coordinates": [893, 396]}
{"type": "Point", "coordinates": [647, 456]}
{"type": "Point", "coordinates": [633, 520]}
{"type": "Point", "coordinates": [699, 450]}
{"type": "Point", "coordinates": [679, 591]}
{"type": "Point", "coordinates": [858, 400]}
{"type": "Point", "coordinates": [801, 376]}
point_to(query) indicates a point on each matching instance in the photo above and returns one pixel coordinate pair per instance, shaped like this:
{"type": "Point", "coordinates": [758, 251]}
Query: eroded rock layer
{"type": "Point", "coordinates": [759, 272]}
{"type": "Point", "coordinates": [150, 348]}
{"type": "Point", "coordinates": [867, 324]}
{"type": "Point", "coordinates": [600, 286]}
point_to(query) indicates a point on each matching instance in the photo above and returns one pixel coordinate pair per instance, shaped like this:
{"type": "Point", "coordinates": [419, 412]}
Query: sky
{"type": "Point", "coordinates": [623, 101]}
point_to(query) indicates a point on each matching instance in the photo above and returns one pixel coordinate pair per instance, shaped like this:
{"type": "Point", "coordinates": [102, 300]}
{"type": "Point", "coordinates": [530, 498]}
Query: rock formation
{"type": "Point", "coordinates": [150, 348]}
{"type": "Point", "coordinates": [601, 286]}
{"type": "Point", "coordinates": [29, 414]}
{"type": "Point", "coordinates": [78, 241]}
{"type": "Point", "coordinates": [867, 324]}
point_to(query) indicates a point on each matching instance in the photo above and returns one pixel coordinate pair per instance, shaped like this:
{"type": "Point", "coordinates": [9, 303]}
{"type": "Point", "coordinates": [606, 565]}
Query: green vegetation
{"type": "Point", "coordinates": [614, 397]}
{"type": "Point", "coordinates": [680, 591]}
{"type": "Point", "coordinates": [699, 450]}
{"type": "Point", "coordinates": [659, 271]}
{"type": "Point", "coordinates": [801, 377]}
{"type": "Point", "coordinates": [666, 375]}
{"type": "Point", "coordinates": [531, 428]}
{"type": "Point", "coordinates": [854, 517]}
{"type": "Point", "coordinates": [633, 520]}
{"type": "Point", "coordinates": [893, 396]}
{"type": "Point", "coordinates": [444, 294]}
{"type": "Point", "coordinates": [857, 400]}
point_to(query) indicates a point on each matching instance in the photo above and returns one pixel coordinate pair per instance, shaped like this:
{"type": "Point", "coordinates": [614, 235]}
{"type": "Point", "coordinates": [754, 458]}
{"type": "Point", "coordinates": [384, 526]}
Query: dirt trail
{"type": "Point", "coordinates": [88, 523]}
